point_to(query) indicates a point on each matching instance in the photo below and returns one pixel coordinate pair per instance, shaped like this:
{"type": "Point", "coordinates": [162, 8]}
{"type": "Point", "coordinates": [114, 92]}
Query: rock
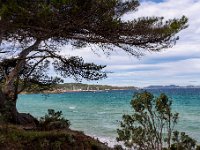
{"type": "Point", "coordinates": [26, 119]}
{"type": "Point", "coordinates": [56, 125]}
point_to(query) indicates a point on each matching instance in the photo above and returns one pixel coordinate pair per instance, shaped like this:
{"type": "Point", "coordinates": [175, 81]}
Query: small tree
{"type": "Point", "coordinates": [150, 125]}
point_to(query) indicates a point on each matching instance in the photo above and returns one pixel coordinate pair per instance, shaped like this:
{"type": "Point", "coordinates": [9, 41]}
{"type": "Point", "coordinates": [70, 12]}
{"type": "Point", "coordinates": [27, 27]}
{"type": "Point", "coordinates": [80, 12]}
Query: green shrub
{"type": "Point", "coordinates": [182, 141]}
{"type": "Point", "coordinates": [53, 120]}
{"type": "Point", "coordinates": [145, 127]}
{"type": "Point", "coordinates": [151, 126]}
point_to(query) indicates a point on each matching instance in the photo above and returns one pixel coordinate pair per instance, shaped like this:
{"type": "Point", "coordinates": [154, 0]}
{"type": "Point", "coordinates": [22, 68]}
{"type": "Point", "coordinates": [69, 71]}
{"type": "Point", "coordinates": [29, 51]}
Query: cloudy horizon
{"type": "Point", "coordinates": [179, 65]}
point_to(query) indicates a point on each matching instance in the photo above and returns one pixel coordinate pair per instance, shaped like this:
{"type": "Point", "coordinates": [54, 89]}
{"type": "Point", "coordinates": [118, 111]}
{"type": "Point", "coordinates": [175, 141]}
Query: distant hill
{"type": "Point", "coordinates": [89, 87]}
{"type": "Point", "coordinates": [78, 87]}
{"type": "Point", "coordinates": [170, 87]}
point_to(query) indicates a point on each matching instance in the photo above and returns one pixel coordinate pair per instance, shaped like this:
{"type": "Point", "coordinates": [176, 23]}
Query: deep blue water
{"type": "Point", "coordinates": [98, 113]}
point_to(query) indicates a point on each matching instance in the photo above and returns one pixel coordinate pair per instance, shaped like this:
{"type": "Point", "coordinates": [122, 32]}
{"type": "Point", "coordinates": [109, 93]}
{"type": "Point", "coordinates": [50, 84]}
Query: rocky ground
{"type": "Point", "coordinates": [14, 137]}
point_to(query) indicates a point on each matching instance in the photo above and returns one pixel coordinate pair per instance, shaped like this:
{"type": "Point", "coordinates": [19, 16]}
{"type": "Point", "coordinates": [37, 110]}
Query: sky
{"type": "Point", "coordinates": [179, 65]}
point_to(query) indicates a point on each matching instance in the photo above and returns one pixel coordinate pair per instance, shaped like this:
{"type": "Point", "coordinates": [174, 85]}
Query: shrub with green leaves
{"type": "Point", "coordinates": [151, 126]}
{"type": "Point", "coordinates": [53, 120]}
{"type": "Point", "coordinates": [182, 141]}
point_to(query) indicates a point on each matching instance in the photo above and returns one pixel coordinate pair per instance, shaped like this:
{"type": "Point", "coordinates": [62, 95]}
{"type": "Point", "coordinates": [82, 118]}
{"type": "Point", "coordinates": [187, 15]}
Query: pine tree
{"type": "Point", "coordinates": [32, 32]}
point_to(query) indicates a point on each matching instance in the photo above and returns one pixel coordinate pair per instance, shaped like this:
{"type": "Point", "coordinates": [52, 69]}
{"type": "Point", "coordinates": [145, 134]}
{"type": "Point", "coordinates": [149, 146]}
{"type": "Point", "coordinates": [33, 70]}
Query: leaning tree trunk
{"type": "Point", "coordinates": [9, 92]}
{"type": "Point", "coordinates": [9, 111]}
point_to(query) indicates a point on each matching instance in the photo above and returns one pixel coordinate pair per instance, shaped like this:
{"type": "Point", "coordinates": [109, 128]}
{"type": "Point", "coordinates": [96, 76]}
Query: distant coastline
{"type": "Point", "coordinates": [79, 87]}
{"type": "Point", "coordinates": [57, 91]}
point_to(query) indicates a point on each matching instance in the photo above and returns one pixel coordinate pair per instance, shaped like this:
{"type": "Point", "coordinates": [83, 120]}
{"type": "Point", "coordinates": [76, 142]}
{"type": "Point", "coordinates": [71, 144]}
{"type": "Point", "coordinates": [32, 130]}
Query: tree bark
{"type": "Point", "coordinates": [10, 114]}
{"type": "Point", "coordinates": [9, 94]}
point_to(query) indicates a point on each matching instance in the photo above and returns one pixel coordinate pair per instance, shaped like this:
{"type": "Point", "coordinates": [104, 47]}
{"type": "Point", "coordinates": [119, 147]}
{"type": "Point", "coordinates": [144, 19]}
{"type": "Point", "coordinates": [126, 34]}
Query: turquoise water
{"type": "Point", "coordinates": [98, 113]}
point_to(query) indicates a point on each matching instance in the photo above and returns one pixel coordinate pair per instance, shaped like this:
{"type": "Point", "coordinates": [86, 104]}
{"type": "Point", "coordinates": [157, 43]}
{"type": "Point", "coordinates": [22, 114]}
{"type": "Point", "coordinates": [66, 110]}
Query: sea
{"type": "Point", "coordinates": [99, 113]}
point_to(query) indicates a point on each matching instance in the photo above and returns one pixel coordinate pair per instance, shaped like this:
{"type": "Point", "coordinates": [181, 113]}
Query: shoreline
{"type": "Point", "coordinates": [110, 142]}
{"type": "Point", "coordinates": [74, 91]}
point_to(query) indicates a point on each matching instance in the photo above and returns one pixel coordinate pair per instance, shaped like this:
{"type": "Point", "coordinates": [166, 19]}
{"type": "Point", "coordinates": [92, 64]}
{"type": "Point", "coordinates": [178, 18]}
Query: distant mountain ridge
{"type": "Point", "coordinates": [169, 87]}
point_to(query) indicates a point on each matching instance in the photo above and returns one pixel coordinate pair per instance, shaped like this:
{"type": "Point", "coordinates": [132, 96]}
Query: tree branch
{"type": "Point", "coordinates": [21, 61]}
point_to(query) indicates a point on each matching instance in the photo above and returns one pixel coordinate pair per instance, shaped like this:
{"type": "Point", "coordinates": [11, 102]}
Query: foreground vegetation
{"type": "Point", "coordinates": [152, 125]}
{"type": "Point", "coordinates": [51, 133]}
{"type": "Point", "coordinates": [17, 138]}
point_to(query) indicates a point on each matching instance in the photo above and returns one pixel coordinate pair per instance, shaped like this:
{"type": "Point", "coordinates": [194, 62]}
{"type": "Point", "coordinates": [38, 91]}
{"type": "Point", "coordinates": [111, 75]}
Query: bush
{"type": "Point", "coordinates": [151, 126]}
{"type": "Point", "coordinates": [53, 120]}
{"type": "Point", "coordinates": [182, 141]}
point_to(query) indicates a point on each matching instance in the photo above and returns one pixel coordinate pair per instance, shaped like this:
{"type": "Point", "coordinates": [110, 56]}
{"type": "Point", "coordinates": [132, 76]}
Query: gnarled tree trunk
{"type": "Point", "coordinates": [9, 92]}
{"type": "Point", "coordinates": [9, 111]}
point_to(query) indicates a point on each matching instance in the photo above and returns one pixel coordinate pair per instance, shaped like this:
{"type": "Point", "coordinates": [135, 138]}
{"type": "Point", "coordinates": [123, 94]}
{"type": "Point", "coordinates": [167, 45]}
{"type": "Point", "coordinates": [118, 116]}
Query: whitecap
{"type": "Point", "coordinates": [72, 107]}
{"type": "Point", "coordinates": [101, 112]}
{"type": "Point", "coordinates": [111, 142]}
